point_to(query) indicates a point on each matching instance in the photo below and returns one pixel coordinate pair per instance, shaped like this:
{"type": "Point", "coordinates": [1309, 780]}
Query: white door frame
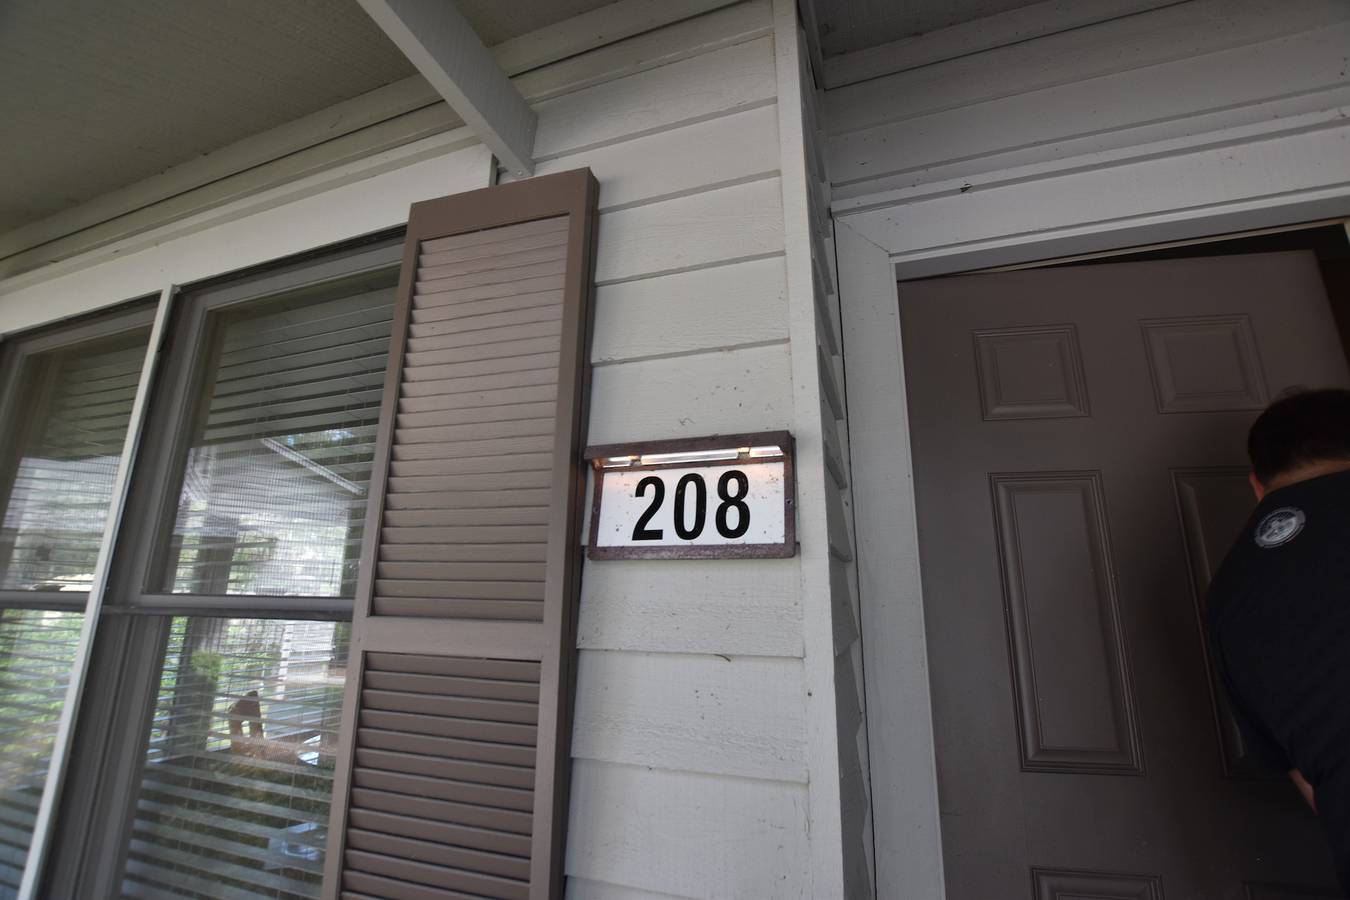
{"type": "Point", "coordinates": [878, 245]}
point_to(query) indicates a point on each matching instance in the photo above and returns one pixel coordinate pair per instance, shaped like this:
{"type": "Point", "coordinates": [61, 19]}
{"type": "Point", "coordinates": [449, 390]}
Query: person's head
{"type": "Point", "coordinates": [1300, 436]}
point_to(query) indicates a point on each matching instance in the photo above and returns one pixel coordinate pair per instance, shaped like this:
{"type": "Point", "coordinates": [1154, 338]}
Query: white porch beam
{"type": "Point", "coordinates": [441, 43]}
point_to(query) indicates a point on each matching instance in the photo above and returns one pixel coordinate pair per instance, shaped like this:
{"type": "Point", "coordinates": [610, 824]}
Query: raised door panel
{"type": "Point", "coordinates": [1075, 705]}
{"type": "Point", "coordinates": [1204, 364]}
{"type": "Point", "coordinates": [1030, 373]}
{"type": "Point", "coordinates": [1061, 884]}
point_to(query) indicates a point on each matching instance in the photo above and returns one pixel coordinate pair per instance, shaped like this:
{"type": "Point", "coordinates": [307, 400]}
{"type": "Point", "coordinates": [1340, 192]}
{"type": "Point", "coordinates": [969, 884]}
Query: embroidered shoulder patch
{"type": "Point", "coordinates": [1279, 527]}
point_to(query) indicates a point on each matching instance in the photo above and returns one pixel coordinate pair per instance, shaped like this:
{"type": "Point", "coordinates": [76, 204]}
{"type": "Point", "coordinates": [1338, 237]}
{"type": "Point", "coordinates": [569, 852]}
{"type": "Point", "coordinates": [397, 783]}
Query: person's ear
{"type": "Point", "coordinates": [1258, 488]}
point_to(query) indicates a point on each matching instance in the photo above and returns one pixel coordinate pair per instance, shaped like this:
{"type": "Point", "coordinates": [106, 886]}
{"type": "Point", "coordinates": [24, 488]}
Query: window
{"type": "Point", "coordinates": [252, 488]}
{"type": "Point", "coordinates": [65, 404]}
{"type": "Point", "coordinates": [37, 647]}
{"type": "Point", "coordinates": [238, 772]}
{"type": "Point", "coordinates": [273, 491]}
{"type": "Point", "coordinates": [71, 410]}
{"type": "Point", "coordinates": [203, 757]}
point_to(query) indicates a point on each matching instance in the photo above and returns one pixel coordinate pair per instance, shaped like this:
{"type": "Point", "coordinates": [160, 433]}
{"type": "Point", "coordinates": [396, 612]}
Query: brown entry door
{"type": "Point", "coordinates": [1079, 453]}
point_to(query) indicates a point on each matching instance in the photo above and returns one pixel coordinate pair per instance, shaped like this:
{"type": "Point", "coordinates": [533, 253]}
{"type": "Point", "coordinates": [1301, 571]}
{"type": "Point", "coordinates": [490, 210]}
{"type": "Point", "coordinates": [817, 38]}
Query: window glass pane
{"type": "Point", "coordinates": [37, 649]}
{"type": "Point", "coordinates": [274, 489]}
{"type": "Point", "coordinates": [74, 407]}
{"type": "Point", "coordinates": [238, 773]}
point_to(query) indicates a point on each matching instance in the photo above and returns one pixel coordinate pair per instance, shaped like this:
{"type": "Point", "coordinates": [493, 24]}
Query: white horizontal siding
{"type": "Point", "coordinates": [688, 835]}
{"type": "Point", "coordinates": [718, 715]}
{"type": "Point", "coordinates": [1188, 193]}
{"type": "Point", "coordinates": [1204, 93]}
{"type": "Point", "coordinates": [1180, 31]}
{"type": "Point", "coordinates": [745, 220]}
{"type": "Point", "coordinates": [735, 305]}
{"type": "Point", "coordinates": [846, 629]}
{"type": "Point", "coordinates": [729, 24]}
{"type": "Point", "coordinates": [719, 392]}
{"type": "Point", "coordinates": [728, 607]}
{"type": "Point", "coordinates": [1022, 23]}
{"type": "Point", "coordinates": [710, 84]}
{"type": "Point", "coordinates": [689, 732]}
{"type": "Point", "coordinates": [714, 152]}
{"type": "Point", "coordinates": [1197, 118]}
{"type": "Point", "coordinates": [585, 889]}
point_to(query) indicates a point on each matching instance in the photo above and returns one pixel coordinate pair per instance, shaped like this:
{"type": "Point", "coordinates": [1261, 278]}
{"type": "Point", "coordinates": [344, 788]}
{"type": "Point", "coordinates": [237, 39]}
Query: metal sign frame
{"type": "Point", "coordinates": [636, 451]}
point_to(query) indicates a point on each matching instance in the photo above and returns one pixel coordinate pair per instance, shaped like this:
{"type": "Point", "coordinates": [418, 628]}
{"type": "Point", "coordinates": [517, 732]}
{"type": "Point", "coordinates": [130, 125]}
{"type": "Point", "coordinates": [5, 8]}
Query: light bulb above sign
{"type": "Point", "coordinates": [726, 496]}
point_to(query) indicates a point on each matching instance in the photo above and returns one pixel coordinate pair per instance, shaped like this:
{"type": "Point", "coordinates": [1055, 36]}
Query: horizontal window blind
{"type": "Point", "coordinates": [275, 485]}
{"type": "Point", "coordinates": [75, 405]}
{"type": "Point", "coordinates": [237, 780]}
{"type": "Point", "coordinates": [37, 648]}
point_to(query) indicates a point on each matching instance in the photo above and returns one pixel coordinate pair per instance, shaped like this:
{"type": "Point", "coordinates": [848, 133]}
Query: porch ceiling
{"type": "Point", "coordinates": [98, 95]}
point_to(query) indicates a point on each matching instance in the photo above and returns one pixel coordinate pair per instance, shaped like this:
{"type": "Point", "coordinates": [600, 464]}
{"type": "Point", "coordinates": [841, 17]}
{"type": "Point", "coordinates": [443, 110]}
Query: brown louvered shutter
{"type": "Point", "coordinates": [451, 781]}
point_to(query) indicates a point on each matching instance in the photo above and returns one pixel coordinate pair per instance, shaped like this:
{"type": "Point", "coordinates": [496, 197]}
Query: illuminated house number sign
{"type": "Point", "coordinates": [725, 496]}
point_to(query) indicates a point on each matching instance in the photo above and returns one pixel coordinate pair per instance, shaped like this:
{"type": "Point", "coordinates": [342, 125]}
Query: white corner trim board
{"type": "Point", "coordinates": [814, 485]}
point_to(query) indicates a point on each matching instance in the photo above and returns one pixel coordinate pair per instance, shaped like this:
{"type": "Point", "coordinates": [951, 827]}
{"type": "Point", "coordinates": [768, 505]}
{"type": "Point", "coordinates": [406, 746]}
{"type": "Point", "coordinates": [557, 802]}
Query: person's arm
{"type": "Point", "coordinates": [1303, 787]}
{"type": "Point", "coordinates": [1257, 741]}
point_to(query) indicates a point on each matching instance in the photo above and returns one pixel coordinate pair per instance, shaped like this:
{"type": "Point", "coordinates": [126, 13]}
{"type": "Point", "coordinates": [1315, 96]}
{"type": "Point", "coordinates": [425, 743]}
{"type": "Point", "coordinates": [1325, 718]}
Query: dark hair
{"type": "Point", "coordinates": [1306, 427]}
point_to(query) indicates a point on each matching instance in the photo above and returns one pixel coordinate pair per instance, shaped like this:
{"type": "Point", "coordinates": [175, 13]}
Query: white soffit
{"type": "Point", "coordinates": [101, 95]}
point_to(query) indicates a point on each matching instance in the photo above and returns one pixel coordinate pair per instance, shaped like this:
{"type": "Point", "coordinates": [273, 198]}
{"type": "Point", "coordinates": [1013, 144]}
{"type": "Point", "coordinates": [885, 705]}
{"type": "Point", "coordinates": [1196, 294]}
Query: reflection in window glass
{"type": "Point", "coordinates": [274, 490]}
{"type": "Point", "coordinates": [75, 404]}
{"type": "Point", "coordinates": [238, 773]}
{"type": "Point", "coordinates": [37, 649]}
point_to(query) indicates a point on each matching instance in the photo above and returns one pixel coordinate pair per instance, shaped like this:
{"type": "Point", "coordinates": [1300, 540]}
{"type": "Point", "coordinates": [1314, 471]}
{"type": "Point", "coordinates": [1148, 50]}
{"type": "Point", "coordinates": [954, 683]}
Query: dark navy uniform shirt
{"type": "Point", "coordinates": [1279, 629]}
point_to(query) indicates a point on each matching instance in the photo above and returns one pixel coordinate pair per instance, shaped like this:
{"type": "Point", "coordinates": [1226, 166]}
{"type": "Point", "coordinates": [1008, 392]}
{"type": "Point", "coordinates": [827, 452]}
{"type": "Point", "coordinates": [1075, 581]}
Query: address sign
{"type": "Point", "coordinates": [722, 496]}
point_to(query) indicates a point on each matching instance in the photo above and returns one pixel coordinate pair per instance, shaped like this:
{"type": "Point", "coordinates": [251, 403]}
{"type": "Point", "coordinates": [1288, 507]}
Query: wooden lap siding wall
{"type": "Point", "coordinates": [697, 732]}
{"type": "Point", "coordinates": [690, 756]}
{"type": "Point", "coordinates": [1176, 113]}
{"type": "Point", "coordinates": [691, 737]}
{"type": "Point", "coordinates": [689, 765]}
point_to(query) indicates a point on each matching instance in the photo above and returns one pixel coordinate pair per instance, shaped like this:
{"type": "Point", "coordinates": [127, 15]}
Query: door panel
{"type": "Point", "coordinates": [1078, 439]}
{"type": "Point", "coordinates": [1075, 708]}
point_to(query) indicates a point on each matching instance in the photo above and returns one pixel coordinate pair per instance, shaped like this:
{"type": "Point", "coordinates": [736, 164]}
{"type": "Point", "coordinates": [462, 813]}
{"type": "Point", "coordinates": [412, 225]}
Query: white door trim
{"type": "Point", "coordinates": [908, 845]}
{"type": "Point", "coordinates": [906, 814]}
